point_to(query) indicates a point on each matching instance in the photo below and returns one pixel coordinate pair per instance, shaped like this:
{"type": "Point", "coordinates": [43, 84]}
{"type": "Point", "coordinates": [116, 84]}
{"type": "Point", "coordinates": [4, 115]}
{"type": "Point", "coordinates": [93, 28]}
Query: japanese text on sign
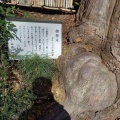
{"type": "Point", "coordinates": [44, 39]}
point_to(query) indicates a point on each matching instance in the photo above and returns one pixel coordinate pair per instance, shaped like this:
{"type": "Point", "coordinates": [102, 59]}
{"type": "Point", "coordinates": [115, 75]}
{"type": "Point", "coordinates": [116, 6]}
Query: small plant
{"type": "Point", "coordinates": [76, 4]}
{"type": "Point", "coordinates": [26, 16]}
{"type": "Point", "coordinates": [34, 67]}
{"type": "Point", "coordinates": [6, 27]}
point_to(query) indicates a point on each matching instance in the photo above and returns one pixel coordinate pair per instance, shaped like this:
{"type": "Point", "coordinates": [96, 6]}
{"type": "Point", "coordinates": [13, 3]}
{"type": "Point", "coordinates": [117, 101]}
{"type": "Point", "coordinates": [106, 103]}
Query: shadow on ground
{"type": "Point", "coordinates": [45, 107]}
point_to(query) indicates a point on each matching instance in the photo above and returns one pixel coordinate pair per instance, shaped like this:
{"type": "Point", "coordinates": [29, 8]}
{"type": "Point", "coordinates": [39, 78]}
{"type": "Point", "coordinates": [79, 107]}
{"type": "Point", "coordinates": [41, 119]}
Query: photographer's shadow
{"type": "Point", "coordinates": [54, 111]}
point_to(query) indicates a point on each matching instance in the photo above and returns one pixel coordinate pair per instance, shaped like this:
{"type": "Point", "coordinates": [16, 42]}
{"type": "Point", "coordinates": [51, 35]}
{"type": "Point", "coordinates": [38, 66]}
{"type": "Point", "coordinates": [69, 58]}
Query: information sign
{"type": "Point", "coordinates": [42, 38]}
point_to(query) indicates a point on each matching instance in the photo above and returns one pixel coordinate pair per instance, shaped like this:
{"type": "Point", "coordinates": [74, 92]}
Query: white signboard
{"type": "Point", "coordinates": [42, 38]}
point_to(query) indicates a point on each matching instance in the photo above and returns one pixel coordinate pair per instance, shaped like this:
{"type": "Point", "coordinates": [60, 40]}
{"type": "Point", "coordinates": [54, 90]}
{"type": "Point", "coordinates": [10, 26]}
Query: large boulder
{"type": "Point", "coordinates": [89, 85]}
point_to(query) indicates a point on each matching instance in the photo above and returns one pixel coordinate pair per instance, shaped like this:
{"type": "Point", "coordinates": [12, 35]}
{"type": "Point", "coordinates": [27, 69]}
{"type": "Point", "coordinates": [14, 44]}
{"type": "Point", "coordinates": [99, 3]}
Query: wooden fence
{"type": "Point", "coordinates": [48, 4]}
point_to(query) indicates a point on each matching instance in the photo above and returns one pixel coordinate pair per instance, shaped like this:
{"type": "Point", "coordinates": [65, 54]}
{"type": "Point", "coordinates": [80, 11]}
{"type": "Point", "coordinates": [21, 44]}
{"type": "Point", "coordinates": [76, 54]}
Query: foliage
{"type": "Point", "coordinates": [12, 102]}
{"type": "Point", "coordinates": [16, 94]}
{"type": "Point", "coordinates": [76, 4]}
{"type": "Point", "coordinates": [6, 27]}
{"type": "Point", "coordinates": [35, 67]}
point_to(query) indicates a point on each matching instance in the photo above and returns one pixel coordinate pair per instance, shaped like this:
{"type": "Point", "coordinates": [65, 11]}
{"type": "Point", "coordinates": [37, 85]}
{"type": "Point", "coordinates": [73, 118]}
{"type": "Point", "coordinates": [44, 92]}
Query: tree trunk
{"type": "Point", "coordinates": [113, 43]}
{"type": "Point", "coordinates": [95, 15]}
{"type": "Point", "coordinates": [97, 26]}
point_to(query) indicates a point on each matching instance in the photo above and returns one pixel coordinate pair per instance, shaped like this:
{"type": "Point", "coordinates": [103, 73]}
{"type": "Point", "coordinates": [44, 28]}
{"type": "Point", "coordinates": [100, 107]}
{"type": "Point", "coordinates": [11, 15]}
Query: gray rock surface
{"type": "Point", "coordinates": [88, 84]}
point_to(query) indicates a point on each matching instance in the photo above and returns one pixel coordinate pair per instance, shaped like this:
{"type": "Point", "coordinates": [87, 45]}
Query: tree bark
{"type": "Point", "coordinates": [113, 43]}
{"type": "Point", "coordinates": [98, 24]}
{"type": "Point", "coordinates": [96, 14]}
{"type": "Point", "coordinates": [100, 19]}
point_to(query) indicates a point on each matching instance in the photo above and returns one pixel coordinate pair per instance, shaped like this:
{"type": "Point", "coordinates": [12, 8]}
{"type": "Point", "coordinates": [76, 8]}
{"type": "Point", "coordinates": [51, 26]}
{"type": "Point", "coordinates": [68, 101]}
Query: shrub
{"type": "Point", "coordinates": [34, 67]}
{"type": "Point", "coordinates": [12, 102]}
